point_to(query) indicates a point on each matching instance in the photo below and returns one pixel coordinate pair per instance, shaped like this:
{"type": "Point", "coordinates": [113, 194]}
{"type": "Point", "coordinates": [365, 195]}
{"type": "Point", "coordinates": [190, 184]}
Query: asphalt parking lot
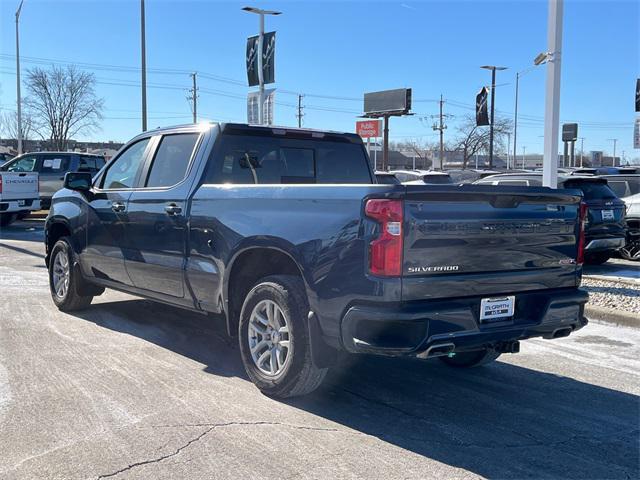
{"type": "Point", "coordinates": [133, 389]}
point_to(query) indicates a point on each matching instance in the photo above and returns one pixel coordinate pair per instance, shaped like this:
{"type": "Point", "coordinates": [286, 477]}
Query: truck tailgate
{"type": "Point", "coordinates": [18, 185]}
{"type": "Point", "coordinates": [488, 240]}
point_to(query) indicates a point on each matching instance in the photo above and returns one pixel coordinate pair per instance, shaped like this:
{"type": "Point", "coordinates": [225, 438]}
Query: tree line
{"type": "Point", "coordinates": [60, 104]}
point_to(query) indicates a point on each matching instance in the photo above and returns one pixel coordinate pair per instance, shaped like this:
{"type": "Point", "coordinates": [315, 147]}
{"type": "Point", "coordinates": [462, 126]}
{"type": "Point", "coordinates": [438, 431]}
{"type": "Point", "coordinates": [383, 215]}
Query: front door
{"type": "Point", "coordinates": [157, 218]}
{"type": "Point", "coordinates": [103, 256]}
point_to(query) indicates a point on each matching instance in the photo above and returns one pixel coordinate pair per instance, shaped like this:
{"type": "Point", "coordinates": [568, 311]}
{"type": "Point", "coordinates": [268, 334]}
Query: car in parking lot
{"type": "Point", "coordinates": [52, 167]}
{"type": "Point", "coordinates": [429, 177]}
{"type": "Point", "coordinates": [605, 228]}
{"type": "Point", "coordinates": [627, 187]}
{"type": "Point", "coordinates": [387, 178]}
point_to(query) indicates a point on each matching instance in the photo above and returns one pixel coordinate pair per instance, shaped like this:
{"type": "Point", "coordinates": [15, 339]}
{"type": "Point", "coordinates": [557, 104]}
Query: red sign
{"type": "Point", "coordinates": [368, 128]}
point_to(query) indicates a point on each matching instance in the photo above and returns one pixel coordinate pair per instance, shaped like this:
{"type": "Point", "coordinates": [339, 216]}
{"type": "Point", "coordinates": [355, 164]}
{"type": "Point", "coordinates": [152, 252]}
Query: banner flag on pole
{"type": "Point", "coordinates": [482, 116]}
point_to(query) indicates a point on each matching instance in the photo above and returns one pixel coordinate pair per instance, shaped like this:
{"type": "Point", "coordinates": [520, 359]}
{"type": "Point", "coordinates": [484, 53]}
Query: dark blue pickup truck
{"type": "Point", "coordinates": [285, 234]}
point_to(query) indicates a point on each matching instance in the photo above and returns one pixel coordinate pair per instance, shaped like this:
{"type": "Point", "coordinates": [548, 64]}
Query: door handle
{"type": "Point", "coordinates": [117, 207]}
{"type": "Point", "coordinates": [173, 209]}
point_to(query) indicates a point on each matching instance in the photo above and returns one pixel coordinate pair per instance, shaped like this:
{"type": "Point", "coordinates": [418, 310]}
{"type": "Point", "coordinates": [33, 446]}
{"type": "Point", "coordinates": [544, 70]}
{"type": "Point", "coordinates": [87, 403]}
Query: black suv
{"type": "Point", "coordinates": [605, 230]}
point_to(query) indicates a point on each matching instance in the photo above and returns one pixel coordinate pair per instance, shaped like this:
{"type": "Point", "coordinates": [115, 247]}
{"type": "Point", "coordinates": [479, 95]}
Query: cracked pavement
{"type": "Point", "coordinates": [130, 389]}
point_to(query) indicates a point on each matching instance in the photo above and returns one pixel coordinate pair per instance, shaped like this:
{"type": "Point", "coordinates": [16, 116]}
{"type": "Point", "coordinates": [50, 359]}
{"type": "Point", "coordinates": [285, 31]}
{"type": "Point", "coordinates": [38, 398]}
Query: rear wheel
{"type": "Point", "coordinates": [597, 258]}
{"type": "Point", "coordinates": [274, 338]}
{"type": "Point", "coordinates": [475, 358]}
{"type": "Point", "coordinates": [65, 281]}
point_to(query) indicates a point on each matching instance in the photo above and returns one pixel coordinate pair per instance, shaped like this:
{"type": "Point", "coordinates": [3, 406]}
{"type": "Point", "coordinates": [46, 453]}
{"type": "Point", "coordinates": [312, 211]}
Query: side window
{"type": "Point", "coordinates": [55, 163]}
{"type": "Point", "coordinates": [25, 164]}
{"type": "Point", "coordinates": [90, 164]}
{"type": "Point", "coordinates": [171, 160]}
{"type": "Point", "coordinates": [122, 172]}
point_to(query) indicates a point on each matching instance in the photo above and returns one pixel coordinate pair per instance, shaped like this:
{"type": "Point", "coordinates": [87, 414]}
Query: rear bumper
{"type": "Point", "coordinates": [12, 206]}
{"type": "Point", "coordinates": [601, 244]}
{"type": "Point", "coordinates": [415, 329]}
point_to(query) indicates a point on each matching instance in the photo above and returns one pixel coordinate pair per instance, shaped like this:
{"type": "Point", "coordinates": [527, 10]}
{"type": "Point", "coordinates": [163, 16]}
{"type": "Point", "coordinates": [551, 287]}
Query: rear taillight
{"type": "Point", "coordinates": [385, 252]}
{"type": "Point", "coordinates": [582, 219]}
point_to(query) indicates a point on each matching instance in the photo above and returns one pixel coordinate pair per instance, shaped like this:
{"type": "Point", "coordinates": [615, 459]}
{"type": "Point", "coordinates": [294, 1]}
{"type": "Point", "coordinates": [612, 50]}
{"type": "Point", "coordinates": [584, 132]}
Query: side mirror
{"type": "Point", "coordinates": [80, 181]}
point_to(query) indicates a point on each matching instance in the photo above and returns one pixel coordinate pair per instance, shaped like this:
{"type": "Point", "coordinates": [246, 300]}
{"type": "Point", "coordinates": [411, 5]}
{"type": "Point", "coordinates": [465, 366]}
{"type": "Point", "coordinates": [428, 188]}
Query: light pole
{"type": "Point", "coordinates": [262, 13]}
{"type": "Point", "coordinates": [493, 69]}
{"type": "Point", "coordinates": [18, 97]}
{"type": "Point", "coordinates": [524, 149]}
{"type": "Point", "coordinates": [144, 67]}
{"type": "Point", "coordinates": [539, 60]}
{"type": "Point", "coordinates": [581, 150]}
{"type": "Point", "coordinates": [552, 96]}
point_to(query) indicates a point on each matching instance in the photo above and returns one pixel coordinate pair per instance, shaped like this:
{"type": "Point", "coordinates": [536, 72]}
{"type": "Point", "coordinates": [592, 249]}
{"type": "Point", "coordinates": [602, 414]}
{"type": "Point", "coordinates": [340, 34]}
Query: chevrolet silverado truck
{"type": "Point", "coordinates": [18, 195]}
{"type": "Point", "coordinates": [284, 235]}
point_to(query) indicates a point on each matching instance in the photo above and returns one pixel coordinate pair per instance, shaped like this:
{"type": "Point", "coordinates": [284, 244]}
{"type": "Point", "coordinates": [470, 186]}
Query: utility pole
{"type": "Point", "coordinates": [581, 150]}
{"type": "Point", "coordinates": [144, 68]}
{"type": "Point", "coordinates": [613, 160]}
{"type": "Point", "coordinates": [18, 97]}
{"type": "Point", "coordinates": [441, 127]}
{"type": "Point", "coordinates": [299, 115]}
{"type": "Point", "coordinates": [524, 149]}
{"type": "Point", "coordinates": [508, 147]}
{"type": "Point", "coordinates": [515, 121]}
{"type": "Point", "coordinates": [194, 97]}
{"type": "Point", "coordinates": [493, 69]}
{"type": "Point", "coordinates": [552, 100]}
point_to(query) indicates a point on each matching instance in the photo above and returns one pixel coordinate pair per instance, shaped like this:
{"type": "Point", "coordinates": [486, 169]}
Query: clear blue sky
{"type": "Point", "coordinates": [340, 49]}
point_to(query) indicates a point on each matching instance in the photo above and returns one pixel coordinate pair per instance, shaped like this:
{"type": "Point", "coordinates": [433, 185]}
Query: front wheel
{"type": "Point", "coordinates": [65, 282]}
{"type": "Point", "coordinates": [475, 358]}
{"type": "Point", "coordinates": [274, 338]}
{"type": "Point", "coordinates": [631, 251]}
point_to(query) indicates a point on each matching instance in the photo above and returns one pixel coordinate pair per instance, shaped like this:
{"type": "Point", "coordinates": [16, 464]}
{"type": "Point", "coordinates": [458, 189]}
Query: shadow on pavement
{"type": "Point", "coordinates": [24, 230]}
{"type": "Point", "coordinates": [499, 421]}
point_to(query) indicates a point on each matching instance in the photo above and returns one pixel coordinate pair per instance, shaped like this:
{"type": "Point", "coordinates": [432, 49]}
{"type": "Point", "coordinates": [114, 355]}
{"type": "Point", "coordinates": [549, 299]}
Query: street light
{"type": "Point", "coordinates": [493, 69]}
{"type": "Point", "coordinates": [143, 50]}
{"type": "Point", "coordinates": [18, 99]}
{"type": "Point", "coordinates": [539, 60]}
{"type": "Point", "coordinates": [262, 13]}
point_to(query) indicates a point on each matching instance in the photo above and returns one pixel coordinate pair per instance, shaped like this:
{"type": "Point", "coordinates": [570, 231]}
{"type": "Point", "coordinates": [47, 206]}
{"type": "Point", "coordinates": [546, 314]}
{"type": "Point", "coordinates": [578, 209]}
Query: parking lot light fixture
{"type": "Point", "coordinates": [493, 69]}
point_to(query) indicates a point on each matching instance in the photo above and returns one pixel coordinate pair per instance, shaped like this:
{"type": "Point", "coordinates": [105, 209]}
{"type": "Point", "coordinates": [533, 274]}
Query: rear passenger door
{"type": "Point", "coordinates": [157, 219]}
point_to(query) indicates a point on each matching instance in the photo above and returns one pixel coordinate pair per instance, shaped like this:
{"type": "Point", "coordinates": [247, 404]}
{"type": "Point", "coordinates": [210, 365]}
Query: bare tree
{"type": "Point", "coordinates": [9, 124]}
{"type": "Point", "coordinates": [472, 139]}
{"type": "Point", "coordinates": [63, 103]}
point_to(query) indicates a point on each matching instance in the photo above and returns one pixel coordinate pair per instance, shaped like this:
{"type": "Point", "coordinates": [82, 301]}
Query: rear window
{"type": "Point", "coordinates": [248, 159]}
{"type": "Point", "coordinates": [592, 190]}
{"type": "Point", "coordinates": [90, 164]}
{"type": "Point", "coordinates": [437, 179]}
{"type": "Point", "coordinates": [624, 187]}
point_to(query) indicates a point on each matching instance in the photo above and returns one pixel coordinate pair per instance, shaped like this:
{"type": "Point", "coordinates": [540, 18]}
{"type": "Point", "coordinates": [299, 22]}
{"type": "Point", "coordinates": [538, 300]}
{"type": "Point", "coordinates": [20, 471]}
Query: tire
{"type": "Point", "coordinates": [67, 298]}
{"type": "Point", "coordinates": [631, 251]}
{"type": "Point", "coordinates": [476, 358]}
{"type": "Point", "coordinates": [597, 258]}
{"type": "Point", "coordinates": [6, 219]}
{"type": "Point", "coordinates": [291, 372]}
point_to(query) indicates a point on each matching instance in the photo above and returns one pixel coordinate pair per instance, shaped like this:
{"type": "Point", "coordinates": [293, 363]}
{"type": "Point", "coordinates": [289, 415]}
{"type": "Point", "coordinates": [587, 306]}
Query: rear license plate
{"type": "Point", "coordinates": [608, 215]}
{"type": "Point", "coordinates": [498, 307]}
{"type": "Point", "coordinates": [21, 203]}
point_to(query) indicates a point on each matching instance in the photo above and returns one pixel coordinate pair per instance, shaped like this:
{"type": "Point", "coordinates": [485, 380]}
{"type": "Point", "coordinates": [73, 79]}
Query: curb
{"type": "Point", "coordinates": [614, 317]}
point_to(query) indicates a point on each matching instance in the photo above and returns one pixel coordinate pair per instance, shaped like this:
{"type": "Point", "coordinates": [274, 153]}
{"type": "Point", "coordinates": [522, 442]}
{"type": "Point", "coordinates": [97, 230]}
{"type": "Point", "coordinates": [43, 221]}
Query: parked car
{"type": "Point", "coordinates": [627, 187]}
{"type": "Point", "coordinates": [18, 195]}
{"type": "Point", "coordinates": [52, 166]}
{"type": "Point", "coordinates": [430, 177]}
{"type": "Point", "coordinates": [469, 175]}
{"type": "Point", "coordinates": [605, 228]}
{"type": "Point", "coordinates": [387, 178]}
{"type": "Point", "coordinates": [285, 233]}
